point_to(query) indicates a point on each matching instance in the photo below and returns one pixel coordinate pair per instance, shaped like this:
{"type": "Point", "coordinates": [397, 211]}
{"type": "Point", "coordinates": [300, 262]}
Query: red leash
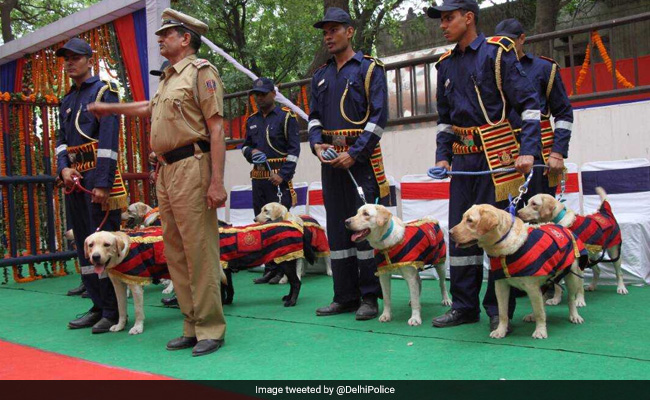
{"type": "Point", "coordinates": [78, 188]}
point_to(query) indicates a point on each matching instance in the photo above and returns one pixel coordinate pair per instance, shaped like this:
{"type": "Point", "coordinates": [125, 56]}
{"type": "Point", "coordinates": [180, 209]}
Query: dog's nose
{"type": "Point", "coordinates": [347, 223]}
{"type": "Point", "coordinates": [96, 257]}
{"type": "Point", "coordinates": [451, 232]}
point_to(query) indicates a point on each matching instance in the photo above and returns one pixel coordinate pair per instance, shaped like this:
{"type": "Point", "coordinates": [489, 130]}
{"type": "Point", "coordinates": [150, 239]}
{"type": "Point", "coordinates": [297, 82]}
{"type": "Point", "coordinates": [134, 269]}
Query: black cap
{"type": "Point", "coordinates": [334, 14]}
{"type": "Point", "coordinates": [510, 28]}
{"type": "Point", "coordinates": [77, 46]}
{"type": "Point", "coordinates": [158, 72]}
{"type": "Point", "coordinates": [263, 85]}
{"type": "Point", "coordinates": [451, 5]}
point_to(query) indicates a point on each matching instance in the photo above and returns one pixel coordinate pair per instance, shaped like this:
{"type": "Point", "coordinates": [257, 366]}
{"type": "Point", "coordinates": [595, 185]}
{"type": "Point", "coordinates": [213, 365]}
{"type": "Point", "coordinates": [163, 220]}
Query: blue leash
{"type": "Point", "coordinates": [443, 173]}
{"type": "Point", "coordinates": [329, 155]}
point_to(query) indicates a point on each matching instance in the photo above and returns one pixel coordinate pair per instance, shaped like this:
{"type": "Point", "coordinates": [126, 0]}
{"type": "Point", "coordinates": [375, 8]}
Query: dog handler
{"type": "Point", "coordinates": [479, 81]}
{"type": "Point", "coordinates": [349, 110]}
{"type": "Point", "coordinates": [86, 150]}
{"type": "Point", "coordinates": [187, 135]}
{"type": "Point", "coordinates": [271, 137]}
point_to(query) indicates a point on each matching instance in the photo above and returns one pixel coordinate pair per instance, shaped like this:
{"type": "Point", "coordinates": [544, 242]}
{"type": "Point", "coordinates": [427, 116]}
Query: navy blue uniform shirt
{"type": "Point", "coordinates": [458, 102]}
{"type": "Point", "coordinates": [539, 73]}
{"type": "Point", "coordinates": [278, 143]}
{"type": "Point", "coordinates": [327, 87]}
{"type": "Point", "coordinates": [105, 130]}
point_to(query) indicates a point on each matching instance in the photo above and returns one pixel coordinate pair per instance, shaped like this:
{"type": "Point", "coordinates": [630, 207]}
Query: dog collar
{"type": "Point", "coordinates": [389, 231]}
{"type": "Point", "coordinates": [559, 217]}
{"type": "Point", "coordinates": [507, 233]}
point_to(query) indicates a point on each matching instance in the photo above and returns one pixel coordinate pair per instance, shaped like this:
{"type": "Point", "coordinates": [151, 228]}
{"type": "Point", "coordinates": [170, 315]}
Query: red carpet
{"type": "Point", "coordinates": [22, 362]}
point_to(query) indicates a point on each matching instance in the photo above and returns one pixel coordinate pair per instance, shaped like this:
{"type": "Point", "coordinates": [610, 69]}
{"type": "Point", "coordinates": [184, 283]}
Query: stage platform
{"type": "Point", "coordinates": [267, 341]}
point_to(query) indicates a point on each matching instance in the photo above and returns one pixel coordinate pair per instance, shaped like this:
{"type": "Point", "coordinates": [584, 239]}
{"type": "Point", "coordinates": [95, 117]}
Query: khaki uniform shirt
{"type": "Point", "coordinates": [176, 118]}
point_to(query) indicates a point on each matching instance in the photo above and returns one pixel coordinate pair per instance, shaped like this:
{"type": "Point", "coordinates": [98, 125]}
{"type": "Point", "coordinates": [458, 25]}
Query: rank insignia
{"type": "Point", "coordinates": [505, 157]}
{"type": "Point", "coordinates": [249, 241]}
{"type": "Point", "coordinates": [211, 85]}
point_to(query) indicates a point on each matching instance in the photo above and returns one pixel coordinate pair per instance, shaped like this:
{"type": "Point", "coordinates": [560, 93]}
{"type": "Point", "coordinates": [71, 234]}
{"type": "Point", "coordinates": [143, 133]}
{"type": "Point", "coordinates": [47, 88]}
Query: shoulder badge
{"type": "Point", "coordinates": [321, 67]}
{"type": "Point", "coordinates": [375, 59]}
{"type": "Point", "coordinates": [289, 111]}
{"type": "Point", "coordinates": [552, 61]}
{"type": "Point", "coordinates": [112, 86]}
{"type": "Point", "coordinates": [201, 62]}
{"type": "Point", "coordinates": [442, 57]}
{"type": "Point", "coordinates": [505, 42]}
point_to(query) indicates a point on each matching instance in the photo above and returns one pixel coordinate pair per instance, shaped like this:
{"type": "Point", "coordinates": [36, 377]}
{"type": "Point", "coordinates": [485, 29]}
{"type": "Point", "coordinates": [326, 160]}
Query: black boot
{"type": "Point", "coordinates": [268, 274]}
{"type": "Point", "coordinates": [85, 320]}
{"type": "Point", "coordinates": [337, 308]}
{"type": "Point", "coordinates": [368, 308]}
{"type": "Point", "coordinates": [170, 302]}
{"type": "Point", "coordinates": [453, 318]}
{"type": "Point", "coordinates": [77, 291]}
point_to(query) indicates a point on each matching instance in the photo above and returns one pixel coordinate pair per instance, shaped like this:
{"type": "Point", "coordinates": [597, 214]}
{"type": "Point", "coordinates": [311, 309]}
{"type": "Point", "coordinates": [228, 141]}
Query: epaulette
{"type": "Point", "coordinates": [442, 57]}
{"type": "Point", "coordinates": [288, 110]}
{"type": "Point", "coordinates": [201, 62]}
{"type": "Point", "coordinates": [505, 42]}
{"type": "Point", "coordinates": [375, 59]}
{"type": "Point", "coordinates": [112, 86]}
{"type": "Point", "coordinates": [324, 65]}
{"type": "Point", "coordinates": [552, 61]}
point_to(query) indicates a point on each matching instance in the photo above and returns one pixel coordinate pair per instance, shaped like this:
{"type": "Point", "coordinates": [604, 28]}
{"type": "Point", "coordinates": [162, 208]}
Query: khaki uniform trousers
{"type": "Point", "coordinates": [191, 237]}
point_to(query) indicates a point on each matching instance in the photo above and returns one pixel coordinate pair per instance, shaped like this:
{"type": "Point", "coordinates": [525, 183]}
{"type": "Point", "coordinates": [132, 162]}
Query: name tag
{"type": "Point", "coordinates": [321, 82]}
{"type": "Point", "coordinates": [253, 126]}
{"type": "Point", "coordinates": [447, 82]}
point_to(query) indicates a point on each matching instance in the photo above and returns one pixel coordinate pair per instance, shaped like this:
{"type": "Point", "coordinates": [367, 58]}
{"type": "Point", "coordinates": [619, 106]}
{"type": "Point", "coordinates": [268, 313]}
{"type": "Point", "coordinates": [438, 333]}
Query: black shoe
{"type": "Point", "coordinates": [368, 309]}
{"type": "Point", "coordinates": [206, 346]}
{"type": "Point", "coordinates": [494, 324]}
{"type": "Point", "coordinates": [453, 318]}
{"type": "Point", "coordinates": [265, 279]}
{"type": "Point", "coordinates": [170, 302]}
{"type": "Point", "coordinates": [85, 295]}
{"type": "Point", "coordinates": [85, 320]}
{"type": "Point", "coordinates": [276, 279]}
{"type": "Point", "coordinates": [181, 343]}
{"type": "Point", "coordinates": [77, 291]}
{"type": "Point", "coordinates": [103, 326]}
{"type": "Point", "coordinates": [336, 308]}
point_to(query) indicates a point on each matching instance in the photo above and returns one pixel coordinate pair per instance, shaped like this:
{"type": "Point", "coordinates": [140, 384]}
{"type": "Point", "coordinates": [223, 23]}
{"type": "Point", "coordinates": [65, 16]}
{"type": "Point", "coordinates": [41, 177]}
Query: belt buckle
{"type": "Point", "coordinates": [338, 140]}
{"type": "Point", "coordinates": [161, 159]}
{"type": "Point", "coordinates": [198, 153]}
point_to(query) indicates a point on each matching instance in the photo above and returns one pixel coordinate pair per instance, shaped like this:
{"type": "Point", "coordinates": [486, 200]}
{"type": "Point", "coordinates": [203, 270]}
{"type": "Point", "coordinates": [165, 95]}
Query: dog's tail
{"type": "Point", "coordinates": [601, 192]}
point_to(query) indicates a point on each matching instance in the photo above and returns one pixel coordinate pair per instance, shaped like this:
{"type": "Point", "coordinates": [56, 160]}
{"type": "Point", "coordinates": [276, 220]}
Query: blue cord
{"type": "Point", "coordinates": [442, 173]}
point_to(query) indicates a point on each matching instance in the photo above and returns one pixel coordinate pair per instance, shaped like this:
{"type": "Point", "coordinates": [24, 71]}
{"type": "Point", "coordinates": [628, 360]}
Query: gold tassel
{"type": "Point", "coordinates": [502, 190]}
{"type": "Point", "coordinates": [418, 265]}
{"type": "Point", "coordinates": [130, 280]}
{"type": "Point", "coordinates": [289, 257]}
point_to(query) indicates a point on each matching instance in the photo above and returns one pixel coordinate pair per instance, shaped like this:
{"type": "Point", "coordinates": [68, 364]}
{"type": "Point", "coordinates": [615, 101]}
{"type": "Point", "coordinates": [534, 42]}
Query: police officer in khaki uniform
{"type": "Point", "coordinates": [188, 138]}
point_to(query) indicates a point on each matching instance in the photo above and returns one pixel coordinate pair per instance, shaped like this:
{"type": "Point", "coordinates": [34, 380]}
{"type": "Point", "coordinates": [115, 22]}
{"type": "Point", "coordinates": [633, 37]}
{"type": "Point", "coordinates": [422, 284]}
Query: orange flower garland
{"type": "Point", "coordinates": [5, 190]}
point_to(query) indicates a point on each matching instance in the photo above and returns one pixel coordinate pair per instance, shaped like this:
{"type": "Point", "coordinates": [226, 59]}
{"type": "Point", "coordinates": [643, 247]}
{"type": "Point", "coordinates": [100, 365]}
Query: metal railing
{"type": "Point", "coordinates": [412, 92]}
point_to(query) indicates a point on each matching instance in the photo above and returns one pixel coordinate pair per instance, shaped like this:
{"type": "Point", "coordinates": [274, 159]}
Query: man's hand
{"type": "Point", "coordinates": [217, 195]}
{"type": "Point", "coordinates": [152, 177]}
{"type": "Point", "coordinates": [100, 196]}
{"type": "Point", "coordinates": [99, 109]}
{"type": "Point", "coordinates": [276, 179]}
{"type": "Point", "coordinates": [153, 159]}
{"type": "Point", "coordinates": [68, 174]}
{"type": "Point", "coordinates": [343, 161]}
{"type": "Point", "coordinates": [556, 164]}
{"type": "Point", "coordinates": [319, 148]}
{"type": "Point", "coordinates": [524, 164]}
{"type": "Point", "coordinates": [444, 164]}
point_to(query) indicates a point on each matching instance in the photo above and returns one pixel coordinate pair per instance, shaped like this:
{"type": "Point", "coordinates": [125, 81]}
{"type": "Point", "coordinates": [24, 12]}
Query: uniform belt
{"type": "Point", "coordinates": [469, 140]}
{"type": "Point", "coordinates": [260, 171]}
{"type": "Point", "coordinates": [341, 137]}
{"type": "Point", "coordinates": [181, 153]}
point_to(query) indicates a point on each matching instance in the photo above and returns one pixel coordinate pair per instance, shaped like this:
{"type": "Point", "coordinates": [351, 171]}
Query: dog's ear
{"type": "Point", "coordinates": [121, 244]}
{"type": "Point", "coordinates": [86, 249]}
{"type": "Point", "coordinates": [488, 221]}
{"type": "Point", "coordinates": [548, 206]}
{"type": "Point", "coordinates": [383, 216]}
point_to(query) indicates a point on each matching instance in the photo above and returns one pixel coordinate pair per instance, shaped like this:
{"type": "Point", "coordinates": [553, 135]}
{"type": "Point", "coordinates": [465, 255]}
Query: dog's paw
{"type": "Point", "coordinates": [498, 333]}
{"type": "Point", "coordinates": [590, 288]}
{"type": "Point", "coordinates": [553, 302]}
{"type": "Point", "coordinates": [385, 317]}
{"type": "Point", "coordinates": [136, 330]}
{"type": "Point", "coordinates": [446, 302]}
{"type": "Point", "coordinates": [529, 318]}
{"type": "Point", "coordinates": [621, 290]}
{"type": "Point", "coordinates": [290, 302]}
{"type": "Point", "coordinates": [117, 327]}
{"type": "Point", "coordinates": [415, 321]}
{"type": "Point", "coordinates": [540, 333]}
{"type": "Point", "coordinates": [168, 290]}
{"type": "Point", "coordinates": [576, 319]}
{"type": "Point", "coordinates": [580, 302]}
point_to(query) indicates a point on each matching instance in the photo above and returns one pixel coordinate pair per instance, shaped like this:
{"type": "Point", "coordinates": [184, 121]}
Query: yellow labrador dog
{"type": "Point", "coordinates": [106, 250]}
{"type": "Point", "coordinates": [386, 233]}
{"type": "Point", "coordinates": [522, 257]}
{"type": "Point", "coordinates": [599, 232]}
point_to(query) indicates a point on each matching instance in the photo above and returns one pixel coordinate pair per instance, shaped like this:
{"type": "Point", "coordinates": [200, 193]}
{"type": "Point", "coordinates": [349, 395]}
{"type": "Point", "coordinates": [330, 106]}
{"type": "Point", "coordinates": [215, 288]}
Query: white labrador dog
{"type": "Point", "coordinates": [384, 231]}
{"type": "Point", "coordinates": [500, 235]}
